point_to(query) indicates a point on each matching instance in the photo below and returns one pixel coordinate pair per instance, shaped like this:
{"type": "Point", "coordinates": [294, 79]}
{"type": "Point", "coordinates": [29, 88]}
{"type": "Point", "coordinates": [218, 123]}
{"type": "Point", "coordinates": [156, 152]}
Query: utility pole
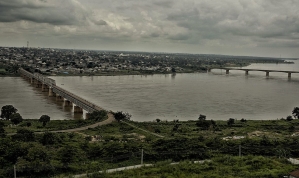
{"type": "Point", "coordinates": [239, 150]}
{"type": "Point", "coordinates": [15, 171]}
{"type": "Point", "coordinates": [142, 156]}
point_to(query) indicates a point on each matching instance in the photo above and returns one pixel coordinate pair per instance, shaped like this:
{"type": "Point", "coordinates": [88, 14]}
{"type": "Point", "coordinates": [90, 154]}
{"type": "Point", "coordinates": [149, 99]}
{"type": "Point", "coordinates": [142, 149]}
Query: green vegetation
{"type": "Point", "coordinates": [8, 69]}
{"type": "Point", "coordinates": [44, 119]}
{"type": "Point", "coordinates": [16, 118]}
{"type": "Point", "coordinates": [98, 115]}
{"type": "Point", "coordinates": [119, 115]}
{"type": "Point", "coordinates": [264, 146]}
{"type": "Point", "coordinates": [2, 71]}
{"type": "Point", "coordinates": [44, 124]}
{"type": "Point", "coordinates": [7, 110]}
{"type": "Point", "coordinates": [36, 126]}
{"type": "Point", "coordinates": [118, 145]}
{"type": "Point", "coordinates": [218, 167]}
{"type": "Point", "coordinates": [296, 112]}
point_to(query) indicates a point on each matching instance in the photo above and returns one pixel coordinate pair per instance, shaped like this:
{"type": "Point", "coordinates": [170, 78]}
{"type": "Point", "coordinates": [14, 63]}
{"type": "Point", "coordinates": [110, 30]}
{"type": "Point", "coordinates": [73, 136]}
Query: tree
{"type": "Point", "coordinates": [70, 154]}
{"type": "Point", "coordinates": [296, 112]}
{"type": "Point", "coordinates": [7, 110]}
{"type": "Point", "coordinates": [2, 131]}
{"type": "Point", "coordinates": [48, 138]}
{"type": "Point", "coordinates": [44, 119]}
{"type": "Point", "coordinates": [24, 135]}
{"type": "Point", "coordinates": [231, 121]}
{"type": "Point", "coordinates": [119, 115]}
{"type": "Point", "coordinates": [158, 120]}
{"type": "Point", "coordinates": [16, 118]}
{"type": "Point", "coordinates": [202, 117]}
{"type": "Point", "coordinates": [28, 124]}
{"type": "Point", "coordinates": [36, 162]}
{"type": "Point", "coordinates": [173, 70]}
{"type": "Point", "coordinates": [203, 123]}
{"type": "Point", "coordinates": [98, 115]}
{"type": "Point", "coordinates": [243, 120]}
{"type": "Point", "coordinates": [289, 118]}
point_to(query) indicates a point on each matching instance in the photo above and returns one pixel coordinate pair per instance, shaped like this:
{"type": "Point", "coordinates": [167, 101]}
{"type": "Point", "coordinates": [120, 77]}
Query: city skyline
{"type": "Point", "coordinates": [229, 27]}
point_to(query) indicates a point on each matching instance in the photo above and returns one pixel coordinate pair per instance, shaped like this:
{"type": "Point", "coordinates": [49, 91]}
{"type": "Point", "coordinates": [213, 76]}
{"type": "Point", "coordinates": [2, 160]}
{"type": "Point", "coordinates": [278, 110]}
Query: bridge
{"type": "Point", "coordinates": [49, 85]}
{"type": "Point", "coordinates": [247, 70]}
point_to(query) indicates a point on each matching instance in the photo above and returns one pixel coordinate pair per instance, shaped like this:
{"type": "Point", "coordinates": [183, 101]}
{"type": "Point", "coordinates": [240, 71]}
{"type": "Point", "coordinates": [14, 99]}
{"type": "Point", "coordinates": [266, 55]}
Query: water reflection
{"type": "Point", "coordinates": [173, 75]}
{"type": "Point", "coordinates": [34, 102]}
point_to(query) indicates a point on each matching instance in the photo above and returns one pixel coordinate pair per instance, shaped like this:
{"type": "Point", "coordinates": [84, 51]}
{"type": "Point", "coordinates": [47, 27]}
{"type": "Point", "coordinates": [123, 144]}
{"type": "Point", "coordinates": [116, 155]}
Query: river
{"type": "Point", "coordinates": [168, 97]}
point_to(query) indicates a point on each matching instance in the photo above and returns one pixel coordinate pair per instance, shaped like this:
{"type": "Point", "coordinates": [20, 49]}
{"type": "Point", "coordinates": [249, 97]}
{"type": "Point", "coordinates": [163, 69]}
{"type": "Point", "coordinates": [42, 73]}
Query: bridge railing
{"type": "Point", "coordinates": [84, 104]}
{"type": "Point", "coordinates": [24, 72]}
{"type": "Point", "coordinates": [48, 81]}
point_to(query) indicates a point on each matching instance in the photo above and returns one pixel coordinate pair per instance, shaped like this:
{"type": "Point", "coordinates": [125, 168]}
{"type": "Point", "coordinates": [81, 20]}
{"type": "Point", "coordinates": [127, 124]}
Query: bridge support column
{"type": "Point", "coordinates": [45, 88]}
{"type": "Point", "coordinates": [59, 98]}
{"type": "Point", "coordinates": [77, 109]}
{"type": "Point", "coordinates": [31, 80]}
{"type": "Point", "coordinates": [87, 115]}
{"type": "Point", "coordinates": [267, 74]}
{"type": "Point", "coordinates": [227, 71]}
{"type": "Point", "coordinates": [51, 93]}
{"type": "Point", "coordinates": [38, 84]}
{"type": "Point", "coordinates": [246, 72]}
{"type": "Point", "coordinates": [67, 103]}
{"type": "Point", "coordinates": [289, 75]}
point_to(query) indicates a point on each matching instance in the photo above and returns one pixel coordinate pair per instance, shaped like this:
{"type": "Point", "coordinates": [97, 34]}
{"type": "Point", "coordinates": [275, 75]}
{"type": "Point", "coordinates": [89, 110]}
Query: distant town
{"type": "Point", "coordinates": [50, 61]}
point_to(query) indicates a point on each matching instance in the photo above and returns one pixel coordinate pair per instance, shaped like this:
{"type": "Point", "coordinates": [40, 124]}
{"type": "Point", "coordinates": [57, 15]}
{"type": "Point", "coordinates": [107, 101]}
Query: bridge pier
{"type": "Point", "coordinates": [87, 115]}
{"type": "Point", "coordinates": [246, 72]}
{"type": "Point", "coordinates": [77, 109]}
{"type": "Point", "coordinates": [267, 74]}
{"type": "Point", "coordinates": [289, 74]}
{"type": "Point", "coordinates": [67, 103]}
{"type": "Point", "coordinates": [51, 93]}
{"type": "Point", "coordinates": [61, 95]}
{"type": "Point", "coordinates": [45, 88]}
{"type": "Point", "coordinates": [59, 98]}
{"type": "Point", "coordinates": [227, 71]}
{"type": "Point", "coordinates": [38, 84]}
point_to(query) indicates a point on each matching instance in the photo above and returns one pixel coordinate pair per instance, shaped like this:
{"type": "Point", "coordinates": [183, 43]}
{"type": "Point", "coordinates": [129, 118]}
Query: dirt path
{"type": "Point", "coordinates": [157, 135]}
{"type": "Point", "coordinates": [105, 122]}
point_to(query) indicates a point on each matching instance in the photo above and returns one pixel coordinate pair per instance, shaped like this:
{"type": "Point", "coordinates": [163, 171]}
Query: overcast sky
{"type": "Point", "coordinates": [233, 27]}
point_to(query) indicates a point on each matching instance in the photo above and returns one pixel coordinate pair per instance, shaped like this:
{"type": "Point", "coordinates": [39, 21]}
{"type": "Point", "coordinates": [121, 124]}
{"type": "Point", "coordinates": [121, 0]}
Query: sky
{"type": "Point", "coordinates": [229, 27]}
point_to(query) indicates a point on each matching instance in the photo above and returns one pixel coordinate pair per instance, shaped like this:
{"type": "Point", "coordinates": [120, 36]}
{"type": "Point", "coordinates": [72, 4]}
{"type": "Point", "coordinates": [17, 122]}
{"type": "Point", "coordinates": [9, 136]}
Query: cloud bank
{"type": "Point", "coordinates": [236, 27]}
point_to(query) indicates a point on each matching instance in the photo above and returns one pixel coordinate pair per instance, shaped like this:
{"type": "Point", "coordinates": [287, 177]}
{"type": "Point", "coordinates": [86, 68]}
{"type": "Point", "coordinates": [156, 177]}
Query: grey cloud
{"type": "Point", "coordinates": [166, 4]}
{"type": "Point", "coordinates": [100, 22]}
{"type": "Point", "coordinates": [154, 35]}
{"type": "Point", "coordinates": [41, 12]}
{"type": "Point", "coordinates": [23, 4]}
{"type": "Point", "coordinates": [179, 37]}
{"type": "Point", "coordinates": [228, 23]}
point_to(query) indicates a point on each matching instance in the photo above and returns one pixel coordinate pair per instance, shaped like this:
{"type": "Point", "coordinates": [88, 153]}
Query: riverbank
{"type": "Point", "coordinates": [119, 145]}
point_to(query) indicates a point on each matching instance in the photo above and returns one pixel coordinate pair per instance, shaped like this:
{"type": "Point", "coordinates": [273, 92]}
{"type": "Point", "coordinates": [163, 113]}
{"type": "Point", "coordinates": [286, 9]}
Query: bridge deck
{"type": "Point", "coordinates": [77, 100]}
{"type": "Point", "coordinates": [262, 70]}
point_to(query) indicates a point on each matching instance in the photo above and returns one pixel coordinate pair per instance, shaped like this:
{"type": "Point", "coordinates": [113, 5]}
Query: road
{"type": "Point", "coordinates": [105, 122]}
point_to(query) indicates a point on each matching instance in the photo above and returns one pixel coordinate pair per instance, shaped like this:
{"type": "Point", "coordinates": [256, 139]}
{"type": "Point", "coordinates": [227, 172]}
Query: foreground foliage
{"type": "Point", "coordinates": [117, 145]}
{"type": "Point", "coordinates": [264, 146]}
{"type": "Point", "coordinates": [220, 166]}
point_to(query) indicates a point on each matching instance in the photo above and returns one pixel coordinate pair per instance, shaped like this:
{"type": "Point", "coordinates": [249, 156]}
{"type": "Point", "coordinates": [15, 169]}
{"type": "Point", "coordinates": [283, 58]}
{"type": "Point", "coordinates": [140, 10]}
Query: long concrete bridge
{"type": "Point", "coordinates": [49, 85]}
{"type": "Point", "coordinates": [247, 70]}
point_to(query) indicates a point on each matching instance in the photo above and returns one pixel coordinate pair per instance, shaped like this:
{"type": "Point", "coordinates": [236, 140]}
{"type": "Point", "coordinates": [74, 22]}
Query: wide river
{"type": "Point", "coordinates": [168, 97]}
